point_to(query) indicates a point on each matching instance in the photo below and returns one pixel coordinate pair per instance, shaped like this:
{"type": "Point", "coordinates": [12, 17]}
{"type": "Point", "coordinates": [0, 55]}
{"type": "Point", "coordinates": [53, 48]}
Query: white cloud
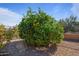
{"type": "Point", "coordinates": [75, 9]}
{"type": "Point", "coordinates": [8, 17]}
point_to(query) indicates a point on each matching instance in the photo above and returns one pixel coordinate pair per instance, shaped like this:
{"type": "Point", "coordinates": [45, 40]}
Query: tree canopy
{"type": "Point", "coordinates": [38, 28]}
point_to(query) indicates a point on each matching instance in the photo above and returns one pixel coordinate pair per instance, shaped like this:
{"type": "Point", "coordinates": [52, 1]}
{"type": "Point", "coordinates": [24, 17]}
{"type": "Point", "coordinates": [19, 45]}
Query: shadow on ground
{"type": "Point", "coordinates": [18, 48]}
{"type": "Point", "coordinates": [72, 40]}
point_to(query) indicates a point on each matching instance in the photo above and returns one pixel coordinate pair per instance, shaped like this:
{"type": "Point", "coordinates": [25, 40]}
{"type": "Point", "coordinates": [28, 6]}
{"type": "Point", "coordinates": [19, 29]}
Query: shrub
{"type": "Point", "coordinates": [40, 29]}
{"type": "Point", "coordinates": [15, 32]}
{"type": "Point", "coordinates": [8, 34]}
{"type": "Point", "coordinates": [2, 34]}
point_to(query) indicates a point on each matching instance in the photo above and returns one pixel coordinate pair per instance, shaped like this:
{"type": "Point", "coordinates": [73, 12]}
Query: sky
{"type": "Point", "coordinates": [12, 13]}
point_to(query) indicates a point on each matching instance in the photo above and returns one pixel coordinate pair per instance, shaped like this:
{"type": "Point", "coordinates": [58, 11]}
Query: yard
{"type": "Point", "coordinates": [70, 47]}
{"type": "Point", "coordinates": [39, 34]}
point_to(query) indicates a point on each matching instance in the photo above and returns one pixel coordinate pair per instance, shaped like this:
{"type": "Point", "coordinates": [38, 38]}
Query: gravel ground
{"type": "Point", "coordinates": [68, 49]}
{"type": "Point", "coordinates": [18, 48]}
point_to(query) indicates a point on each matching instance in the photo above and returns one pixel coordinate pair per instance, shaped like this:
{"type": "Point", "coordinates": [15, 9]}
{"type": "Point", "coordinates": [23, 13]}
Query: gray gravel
{"type": "Point", "coordinates": [18, 48]}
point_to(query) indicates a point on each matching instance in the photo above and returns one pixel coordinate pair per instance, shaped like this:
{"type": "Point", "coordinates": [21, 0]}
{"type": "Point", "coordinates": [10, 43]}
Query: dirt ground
{"type": "Point", "coordinates": [18, 48]}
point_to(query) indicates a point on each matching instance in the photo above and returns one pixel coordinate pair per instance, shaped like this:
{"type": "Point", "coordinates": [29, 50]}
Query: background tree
{"type": "Point", "coordinates": [70, 24]}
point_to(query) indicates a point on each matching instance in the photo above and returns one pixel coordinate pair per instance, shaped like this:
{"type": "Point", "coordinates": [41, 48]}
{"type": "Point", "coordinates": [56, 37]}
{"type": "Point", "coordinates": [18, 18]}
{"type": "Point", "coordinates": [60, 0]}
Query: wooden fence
{"type": "Point", "coordinates": [66, 35]}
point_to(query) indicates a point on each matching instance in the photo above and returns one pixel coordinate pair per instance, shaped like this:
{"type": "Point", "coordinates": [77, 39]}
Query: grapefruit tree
{"type": "Point", "coordinates": [40, 29]}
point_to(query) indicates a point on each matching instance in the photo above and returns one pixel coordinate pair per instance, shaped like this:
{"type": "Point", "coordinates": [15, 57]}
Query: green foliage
{"type": "Point", "coordinates": [40, 29]}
